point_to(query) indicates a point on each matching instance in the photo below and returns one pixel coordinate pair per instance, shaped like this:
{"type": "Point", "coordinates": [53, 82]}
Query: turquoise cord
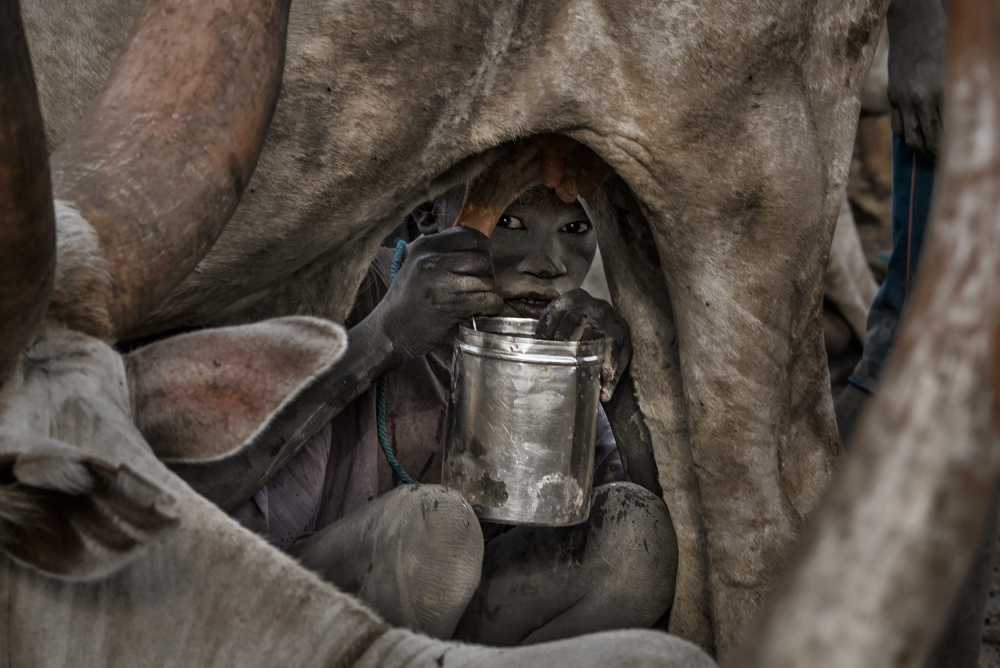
{"type": "Point", "coordinates": [383, 436]}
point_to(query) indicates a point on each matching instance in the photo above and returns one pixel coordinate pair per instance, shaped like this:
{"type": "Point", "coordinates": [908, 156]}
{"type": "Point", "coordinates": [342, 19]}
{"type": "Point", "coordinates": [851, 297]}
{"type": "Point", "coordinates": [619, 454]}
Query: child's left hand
{"type": "Point", "coordinates": [576, 313]}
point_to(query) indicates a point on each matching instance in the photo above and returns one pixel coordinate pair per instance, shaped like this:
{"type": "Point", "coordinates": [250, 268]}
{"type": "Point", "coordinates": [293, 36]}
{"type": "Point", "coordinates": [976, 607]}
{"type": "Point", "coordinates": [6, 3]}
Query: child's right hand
{"type": "Point", "coordinates": [446, 278]}
{"type": "Point", "coordinates": [575, 313]}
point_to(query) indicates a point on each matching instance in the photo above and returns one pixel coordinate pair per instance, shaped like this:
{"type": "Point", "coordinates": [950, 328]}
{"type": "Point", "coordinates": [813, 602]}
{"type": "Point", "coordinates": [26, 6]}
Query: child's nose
{"type": "Point", "coordinates": [542, 265]}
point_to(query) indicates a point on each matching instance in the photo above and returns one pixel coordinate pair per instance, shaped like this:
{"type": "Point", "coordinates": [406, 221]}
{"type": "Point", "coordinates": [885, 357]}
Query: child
{"type": "Point", "coordinates": [416, 552]}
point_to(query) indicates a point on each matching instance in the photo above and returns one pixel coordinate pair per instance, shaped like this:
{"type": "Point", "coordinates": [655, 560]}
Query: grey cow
{"type": "Point", "coordinates": [108, 558]}
{"type": "Point", "coordinates": [831, 611]}
{"type": "Point", "coordinates": [728, 126]}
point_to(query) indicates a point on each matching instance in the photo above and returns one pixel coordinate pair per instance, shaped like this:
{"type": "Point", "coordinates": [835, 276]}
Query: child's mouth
{"type": "Point", "coordinates": [529, 307]}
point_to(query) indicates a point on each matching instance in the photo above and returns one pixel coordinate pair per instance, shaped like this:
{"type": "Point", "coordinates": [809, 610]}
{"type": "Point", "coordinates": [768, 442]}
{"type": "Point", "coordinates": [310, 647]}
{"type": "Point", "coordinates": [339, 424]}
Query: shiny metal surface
{"type": "Point", "coordinates": [521, 423]}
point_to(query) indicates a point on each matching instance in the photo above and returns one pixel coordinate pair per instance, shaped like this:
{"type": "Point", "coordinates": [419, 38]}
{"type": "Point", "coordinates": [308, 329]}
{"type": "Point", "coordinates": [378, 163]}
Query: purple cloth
{"type": "Point", "coordinates": [342, 467]}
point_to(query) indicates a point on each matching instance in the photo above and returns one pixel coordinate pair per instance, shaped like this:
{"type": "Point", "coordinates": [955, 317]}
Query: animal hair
{"type": "Point", "coordinates": [82, 289]}
{"type": "Point", "coordinates": [56, 472]}
{"type": "Point", "coordinates": [19, 506]}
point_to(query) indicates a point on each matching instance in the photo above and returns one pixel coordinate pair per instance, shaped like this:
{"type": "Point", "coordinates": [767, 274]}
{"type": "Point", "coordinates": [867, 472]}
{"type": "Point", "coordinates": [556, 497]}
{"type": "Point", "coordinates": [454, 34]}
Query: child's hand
{"type": "Point", "coordinates": [576, 313]}
{"type": "Point", "coordinates": [563, 164]}
{"type": "Point", "coordinates": [917, 36]}
{"type": "Point", "coordinates": [446, 279]}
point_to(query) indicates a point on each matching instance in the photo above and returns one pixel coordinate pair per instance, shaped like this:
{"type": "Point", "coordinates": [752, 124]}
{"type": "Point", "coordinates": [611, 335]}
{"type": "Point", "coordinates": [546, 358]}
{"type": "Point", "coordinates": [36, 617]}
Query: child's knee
{"type": "Point", "coordinates": [440, 554]}
{"type": "Point", "coordinates": [633, 527]}
{"type": "Point", "coordinates": [441, 519]}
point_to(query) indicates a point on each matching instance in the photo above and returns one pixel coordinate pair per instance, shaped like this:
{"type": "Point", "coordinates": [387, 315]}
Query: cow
{"type": "Point", "coordinates": [728, 127]}
{"type": "Point", "coordinates": [895, 536]}
{"type": "Point", "coordinates": [947, 478]}
{"type": "Point", "coordinates": [106, 557]}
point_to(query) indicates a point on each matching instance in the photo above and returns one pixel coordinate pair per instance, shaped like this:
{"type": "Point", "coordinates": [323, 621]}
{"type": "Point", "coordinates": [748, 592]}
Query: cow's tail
{"type": "Point", "coordinates": [27, 222]}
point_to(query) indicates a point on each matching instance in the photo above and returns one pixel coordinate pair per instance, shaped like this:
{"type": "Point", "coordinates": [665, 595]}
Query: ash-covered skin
{"type": "Point", "coordinates": [541, 250]}
{"type": "Point", "coordinates": [542, 247]}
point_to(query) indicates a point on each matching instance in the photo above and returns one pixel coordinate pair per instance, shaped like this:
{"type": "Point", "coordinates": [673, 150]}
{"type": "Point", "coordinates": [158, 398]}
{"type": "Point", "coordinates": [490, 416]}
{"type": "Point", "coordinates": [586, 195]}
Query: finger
{"type": "Point", "coordinates": [468, 304]}
{"type": "Point", "coordinates": [609, 374]}
{"type": "Point", "coordinates": [922, 131]}
{"type": "Point", "coordinates": [551, 332]}
{"type": "Point", "coordinates": [488, 303]}
{"type": "Point", "coordinates": [931, 128]}
{"type": "Point", "coordinates": [934, 145]}
{"type": "Point", "coordinates": [550, 318]}
{"type": "Point", "coordinates": [598, 311]}
{"type": "Point", "coordinates": [599, 318]}
{"type": "Point", "coordinates": [455, 239]}
{"type": "Point", "coordinates": [468, 263]}
{"type": "Point", "coordinates": [609, 368]}
{"type": "Point", "coordinates": [911, 130]}
{"type": "Point", "coordinates": [453, 287]}
{"type": "Point", "coordinates": [571, 327]}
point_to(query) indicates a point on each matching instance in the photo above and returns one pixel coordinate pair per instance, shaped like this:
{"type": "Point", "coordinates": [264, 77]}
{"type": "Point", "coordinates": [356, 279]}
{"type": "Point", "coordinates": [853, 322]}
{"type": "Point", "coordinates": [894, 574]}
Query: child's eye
{"type": "Point", "coordinates": [510, 223]}
{"type": "Point", "coordinates": [578, 227]}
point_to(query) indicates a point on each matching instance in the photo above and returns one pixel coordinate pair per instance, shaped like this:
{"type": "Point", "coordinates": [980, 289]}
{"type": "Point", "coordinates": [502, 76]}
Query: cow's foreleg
{"type": "Point", "coordinates": [27, 246]}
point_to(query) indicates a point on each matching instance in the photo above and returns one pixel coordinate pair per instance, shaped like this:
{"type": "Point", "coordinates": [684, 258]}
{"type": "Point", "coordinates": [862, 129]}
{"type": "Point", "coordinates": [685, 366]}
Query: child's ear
{"type": "Point", "coordinates": [73, 516]}
{"type": "Point", "coordinates": [198, 397]}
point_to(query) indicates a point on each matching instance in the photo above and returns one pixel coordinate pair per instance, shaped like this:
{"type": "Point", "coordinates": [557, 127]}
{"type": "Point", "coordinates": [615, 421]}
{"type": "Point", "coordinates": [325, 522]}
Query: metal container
{"type": "Point", "coordinates": [521, 423]}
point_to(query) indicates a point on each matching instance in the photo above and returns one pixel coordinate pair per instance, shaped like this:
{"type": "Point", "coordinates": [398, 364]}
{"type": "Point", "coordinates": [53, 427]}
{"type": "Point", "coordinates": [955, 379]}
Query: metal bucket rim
{"type": "Point", "coordinates": [483, 342]}
{"type": "Point", "coordinates": [529, 357]}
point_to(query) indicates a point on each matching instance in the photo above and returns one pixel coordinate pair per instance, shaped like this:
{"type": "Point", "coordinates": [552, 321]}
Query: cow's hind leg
{"type": "Point", "coordinates": [636, 279]}
{"type": "Point", "coordinates": [763, 438]}
{"type": "Point", "coordinates": [743, 264]}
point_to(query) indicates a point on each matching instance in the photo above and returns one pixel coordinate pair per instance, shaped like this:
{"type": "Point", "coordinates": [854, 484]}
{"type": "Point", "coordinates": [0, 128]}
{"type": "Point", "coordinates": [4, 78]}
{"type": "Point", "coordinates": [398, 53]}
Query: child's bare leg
{"type": "Point", "coordinates": [414, 555]}
{"type": "Point", "coordinates": [614, 571]}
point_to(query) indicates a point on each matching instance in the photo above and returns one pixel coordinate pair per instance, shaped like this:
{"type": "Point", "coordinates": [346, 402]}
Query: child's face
{"type": "Point", "coordinates": [541, 249]}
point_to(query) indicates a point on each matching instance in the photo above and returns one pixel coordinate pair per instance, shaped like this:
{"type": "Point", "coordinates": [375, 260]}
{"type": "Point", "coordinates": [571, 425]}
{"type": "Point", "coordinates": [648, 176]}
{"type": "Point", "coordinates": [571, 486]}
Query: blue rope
{"type": "Point", "coordinates": [383, 436]}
